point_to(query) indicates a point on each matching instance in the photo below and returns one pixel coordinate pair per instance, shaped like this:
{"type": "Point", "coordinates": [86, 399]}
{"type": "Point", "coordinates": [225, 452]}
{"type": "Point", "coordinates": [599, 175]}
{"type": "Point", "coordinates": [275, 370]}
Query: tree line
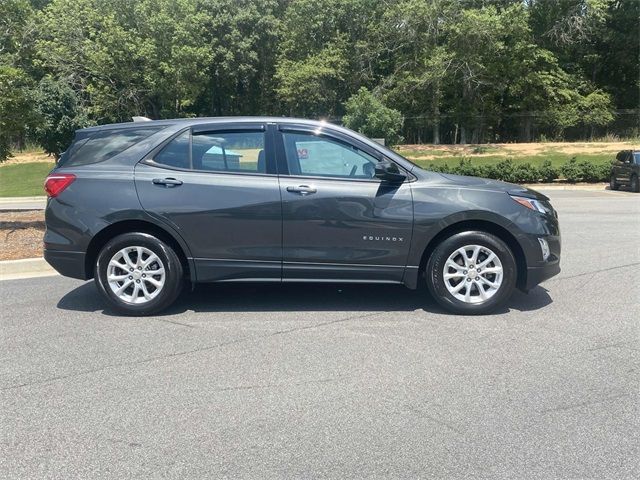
{"type": "Point", "coordinates": [458, 70]}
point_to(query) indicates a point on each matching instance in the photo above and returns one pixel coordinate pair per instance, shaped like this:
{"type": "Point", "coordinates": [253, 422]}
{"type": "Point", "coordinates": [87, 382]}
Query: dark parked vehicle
{"type": "Point", "coordinates": [625, 170]}
{"type": "Point", "coordinates": [146, 207]}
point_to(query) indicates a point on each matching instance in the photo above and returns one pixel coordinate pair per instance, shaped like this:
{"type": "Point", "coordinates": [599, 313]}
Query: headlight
{"type": "Point", "coordinates": [533, 204]}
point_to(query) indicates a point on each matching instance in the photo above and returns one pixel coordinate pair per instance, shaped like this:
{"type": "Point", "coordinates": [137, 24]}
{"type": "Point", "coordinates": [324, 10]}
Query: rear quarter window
{"type": "Point", "coordinates": [103, 145]}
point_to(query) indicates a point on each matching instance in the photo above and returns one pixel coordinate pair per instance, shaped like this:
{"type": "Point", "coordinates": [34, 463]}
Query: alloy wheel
{"type": "Point", "coordinates": [136, 275]}
{"type": "Point", "coordinates": [473, 274]}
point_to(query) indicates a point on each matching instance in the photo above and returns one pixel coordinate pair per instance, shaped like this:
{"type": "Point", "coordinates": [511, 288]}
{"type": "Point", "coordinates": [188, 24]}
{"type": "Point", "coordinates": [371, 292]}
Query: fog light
{"type": "Point", "coordinates": [545, 249]}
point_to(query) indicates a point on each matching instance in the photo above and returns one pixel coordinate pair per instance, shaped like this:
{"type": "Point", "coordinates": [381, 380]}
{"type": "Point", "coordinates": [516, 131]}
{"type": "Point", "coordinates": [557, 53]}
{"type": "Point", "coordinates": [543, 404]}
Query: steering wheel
{"type": "Point", "coordinates": [353, 171]}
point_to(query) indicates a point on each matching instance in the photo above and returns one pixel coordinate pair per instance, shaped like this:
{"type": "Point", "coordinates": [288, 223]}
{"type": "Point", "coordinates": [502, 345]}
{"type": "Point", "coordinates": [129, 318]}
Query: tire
{"type": "Point", "coordinates": [613, 185]}
{"type": "Point", "coordinates": [144, 291]}
{"type": "Point", "coordinates": [496, 288]}
{"type": "Point", "coordinates": [635, 185]}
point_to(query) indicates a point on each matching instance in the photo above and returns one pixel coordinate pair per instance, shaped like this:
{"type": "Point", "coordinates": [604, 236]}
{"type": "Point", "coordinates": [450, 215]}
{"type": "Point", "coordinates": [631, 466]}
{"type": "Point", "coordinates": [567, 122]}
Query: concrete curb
{"type": "Point", "coordinates": [594, 187]}
{"type": "Point", "coordinates": [25, 268]}
{"type": "Point", "coordinates": [40, 198]}
{"type": "Point", "coordinates": [23, 203]}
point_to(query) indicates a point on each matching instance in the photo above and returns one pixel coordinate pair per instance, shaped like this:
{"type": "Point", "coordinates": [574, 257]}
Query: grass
{"type": "Point", "coordinates": [23, 179]}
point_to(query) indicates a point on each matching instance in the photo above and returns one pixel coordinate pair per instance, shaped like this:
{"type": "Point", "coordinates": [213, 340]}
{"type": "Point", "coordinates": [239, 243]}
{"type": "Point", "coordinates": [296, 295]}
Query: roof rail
{"type": "Point", "coordinates": [141, 119]}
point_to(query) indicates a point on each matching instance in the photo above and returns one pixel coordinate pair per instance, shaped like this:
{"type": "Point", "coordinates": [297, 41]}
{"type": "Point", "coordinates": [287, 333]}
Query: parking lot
{"type": "Point", "coordinates": [263, 381]}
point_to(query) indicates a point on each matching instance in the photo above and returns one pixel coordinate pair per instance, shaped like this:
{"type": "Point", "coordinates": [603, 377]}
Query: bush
{"type": "Point", "coordinates": [508, 171]}
{"type": "Point", "coordinates": [571, 170]}
{"type": "Point", "coordinates": [465, 167]}
{"type": "Point", "coordinates": [548, 173]}
{"type": "Point", "coordinates": [594, 172]}
{"type": "Point", "coordinates": [574, 171]}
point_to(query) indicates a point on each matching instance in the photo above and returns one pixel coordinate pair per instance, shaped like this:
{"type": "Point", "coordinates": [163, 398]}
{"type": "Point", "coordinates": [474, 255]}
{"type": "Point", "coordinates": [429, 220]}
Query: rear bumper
{"type": "Point", "coordinates": [536, 275]}
{"type": "Point", "coordinates": [69, 264]}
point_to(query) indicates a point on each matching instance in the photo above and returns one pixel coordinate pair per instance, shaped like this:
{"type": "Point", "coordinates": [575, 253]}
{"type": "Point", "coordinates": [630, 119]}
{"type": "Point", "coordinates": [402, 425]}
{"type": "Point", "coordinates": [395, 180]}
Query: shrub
{"type": "Point", "coordinates": [548, 173]}
{"type": "Point", "coordinates": [508, 171]}
{"type": "Point", "coordinates": [526, 173]}
{"type": "Point", "coordinates": [465, 167]}
{"type": "Point", "coordinates": [571, 170]}
{"type": "Point", "coordinates": [505, 171]}
{"type": "Point", "coordinates": [594, 172]}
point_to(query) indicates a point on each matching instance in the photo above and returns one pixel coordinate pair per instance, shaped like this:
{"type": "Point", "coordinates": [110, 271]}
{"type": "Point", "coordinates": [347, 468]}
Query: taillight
{"type": "Point", "coordinates": [55, 184]}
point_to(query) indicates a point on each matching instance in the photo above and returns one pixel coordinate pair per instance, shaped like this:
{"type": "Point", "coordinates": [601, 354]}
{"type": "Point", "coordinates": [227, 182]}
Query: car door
{"type": "Point", "coordinates": [217, 187]}
{"type": "Point", "coordinates": [340, 222]}
{"type": "Point", "coordinates": [622, 166]}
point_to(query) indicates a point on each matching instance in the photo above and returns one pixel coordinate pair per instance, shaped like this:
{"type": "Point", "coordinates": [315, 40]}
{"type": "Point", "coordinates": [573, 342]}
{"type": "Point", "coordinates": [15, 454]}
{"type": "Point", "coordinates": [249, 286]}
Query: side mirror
{"type": "Point", "coordinates": [389, 172]}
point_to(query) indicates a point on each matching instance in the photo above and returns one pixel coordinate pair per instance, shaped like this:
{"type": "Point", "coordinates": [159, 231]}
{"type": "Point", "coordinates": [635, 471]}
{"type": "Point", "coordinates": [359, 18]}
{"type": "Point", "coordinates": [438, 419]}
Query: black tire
{"type": "Point", "coordinates": [173, 281]}
{"type": "Point", "coordinates": [613, 185]}
{"type": "Point", "coordinates": [635, 185]}
{"type": "Point", "coordinates": [435, 272]}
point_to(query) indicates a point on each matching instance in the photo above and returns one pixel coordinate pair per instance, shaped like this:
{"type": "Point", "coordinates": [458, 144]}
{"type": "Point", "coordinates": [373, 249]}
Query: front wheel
{"type": "Point", "coordinates": [471, 273]}
{"type": "Point", "coordinates": [138, 274]}
{"type": "Point", "coordinates": [635, 185]}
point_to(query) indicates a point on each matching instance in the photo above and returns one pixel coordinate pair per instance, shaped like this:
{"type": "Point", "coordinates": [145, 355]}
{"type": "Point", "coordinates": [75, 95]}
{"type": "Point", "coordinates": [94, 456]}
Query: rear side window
{"type": "Point", "coordinates": [176, 152]}
{"type": "Point", "coordinates": [103, 145]}
{"type": "Point", "coordinates": [236, 152]}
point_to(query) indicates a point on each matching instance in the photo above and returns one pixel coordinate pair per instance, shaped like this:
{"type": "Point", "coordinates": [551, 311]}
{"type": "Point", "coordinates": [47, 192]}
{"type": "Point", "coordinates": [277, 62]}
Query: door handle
{"type": "Point", "coordinates": [167, 182]}
{"type": "Point", "coordinates": [302, 189]}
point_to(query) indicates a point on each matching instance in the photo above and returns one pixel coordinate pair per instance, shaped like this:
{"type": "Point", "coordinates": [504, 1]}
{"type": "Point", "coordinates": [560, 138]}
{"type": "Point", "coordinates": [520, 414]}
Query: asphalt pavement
{"type": "Point", "coordinates": [320, 381]}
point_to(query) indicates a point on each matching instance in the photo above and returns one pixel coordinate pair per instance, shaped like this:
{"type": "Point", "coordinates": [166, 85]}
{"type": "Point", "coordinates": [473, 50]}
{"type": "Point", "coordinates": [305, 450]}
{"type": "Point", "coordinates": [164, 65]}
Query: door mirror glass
{"type": "Point", "coordinates": [389, 172]}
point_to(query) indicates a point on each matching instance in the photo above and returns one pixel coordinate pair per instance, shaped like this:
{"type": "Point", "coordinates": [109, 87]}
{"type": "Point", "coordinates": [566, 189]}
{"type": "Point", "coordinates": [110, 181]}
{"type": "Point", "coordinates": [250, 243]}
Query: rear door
{"type": "Point", "coordinates": [217, 186]}
{"type": "Point", "coordinates": [339, 221]}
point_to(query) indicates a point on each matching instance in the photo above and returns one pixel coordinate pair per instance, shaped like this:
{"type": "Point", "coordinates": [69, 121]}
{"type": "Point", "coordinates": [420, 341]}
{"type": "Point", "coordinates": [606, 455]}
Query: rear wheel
{"type": "Point", "coordinates": [613, 185]}
{"type": "Point", "coordinates": [138, 274]}
{"type": "Point", "coordinates": [635, 185]}
{"type": "Point", "coordinates": [471, 273]}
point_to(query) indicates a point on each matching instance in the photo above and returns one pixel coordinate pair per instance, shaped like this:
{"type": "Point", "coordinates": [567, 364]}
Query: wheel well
{"type": "Point", "coordinates": [129, 226]}
{"type": "Point", "coordinates": [484, 226]}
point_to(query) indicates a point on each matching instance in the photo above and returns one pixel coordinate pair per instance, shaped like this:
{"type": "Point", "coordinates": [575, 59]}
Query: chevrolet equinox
{"type": "Point", "coordinates": [145, 207]}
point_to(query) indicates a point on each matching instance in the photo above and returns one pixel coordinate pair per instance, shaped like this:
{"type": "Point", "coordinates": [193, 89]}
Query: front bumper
{"type": "Point", "coordinates": [69, 264]}
{"type": "Point", "coordinates": [537, 275]}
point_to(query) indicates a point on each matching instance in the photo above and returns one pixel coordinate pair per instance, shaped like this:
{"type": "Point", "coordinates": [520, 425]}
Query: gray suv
{"type": "Point", "coordinates": [146, 207]}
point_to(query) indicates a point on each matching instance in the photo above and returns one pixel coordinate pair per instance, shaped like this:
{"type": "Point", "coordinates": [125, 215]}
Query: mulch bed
{"type": "Point", "coordinates": [21, 233]}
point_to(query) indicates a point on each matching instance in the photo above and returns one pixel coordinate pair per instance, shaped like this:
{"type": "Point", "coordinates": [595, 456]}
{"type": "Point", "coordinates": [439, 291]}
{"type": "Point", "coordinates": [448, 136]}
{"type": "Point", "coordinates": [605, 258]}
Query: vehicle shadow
{"type": "Point", "coordinates": [297, 297]}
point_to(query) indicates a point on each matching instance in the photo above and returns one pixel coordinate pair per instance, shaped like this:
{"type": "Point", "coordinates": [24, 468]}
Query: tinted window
{"type": "Point", "coordinates": [311, 155]}
{"type": "Point", "coordinates": [216, 152]}
{"type": "Point", "coordinates": [176, 152]}
{"type": "Point", "coordinates": [229, 152]}
{"type": "Point", "coordinates": [636, 157]}
{"type": "Point", "coordinates": [104, 144]}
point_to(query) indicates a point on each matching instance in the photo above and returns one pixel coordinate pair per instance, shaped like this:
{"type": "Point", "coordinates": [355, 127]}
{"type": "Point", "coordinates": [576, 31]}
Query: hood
{"type": "Point", "coordinates": [493, 185]}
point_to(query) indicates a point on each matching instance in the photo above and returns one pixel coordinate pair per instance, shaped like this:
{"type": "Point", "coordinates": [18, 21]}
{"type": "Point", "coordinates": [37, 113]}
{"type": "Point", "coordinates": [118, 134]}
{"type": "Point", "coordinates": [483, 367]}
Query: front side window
{"type": "Point", "coordinates": [215, 152]}
{"type": "Point", "coordinates": [636, 158]}
{"type": "Point", "coordinates": [311, 155]}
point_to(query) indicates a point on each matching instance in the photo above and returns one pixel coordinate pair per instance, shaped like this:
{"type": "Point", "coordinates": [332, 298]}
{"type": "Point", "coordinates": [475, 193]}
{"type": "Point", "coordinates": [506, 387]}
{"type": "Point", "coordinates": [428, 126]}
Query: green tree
{"type": "Point", "coordinates": [15, 107]}
{"type": "Point", "coordinates": [368, 115]}
{"type": "Point", "coordinates": [595, 110]}
{"type": "Point", "coordinates": [59, 115]}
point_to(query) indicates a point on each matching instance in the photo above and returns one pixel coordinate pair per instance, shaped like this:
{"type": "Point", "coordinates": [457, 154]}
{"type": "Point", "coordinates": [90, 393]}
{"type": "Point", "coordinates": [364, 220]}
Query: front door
{"type": "Point", "coordinates": [622, 167]}
{"type": "Point", "coordinates": [218, 188]}
{"type": "Point", "coordinates": [340, 222]}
